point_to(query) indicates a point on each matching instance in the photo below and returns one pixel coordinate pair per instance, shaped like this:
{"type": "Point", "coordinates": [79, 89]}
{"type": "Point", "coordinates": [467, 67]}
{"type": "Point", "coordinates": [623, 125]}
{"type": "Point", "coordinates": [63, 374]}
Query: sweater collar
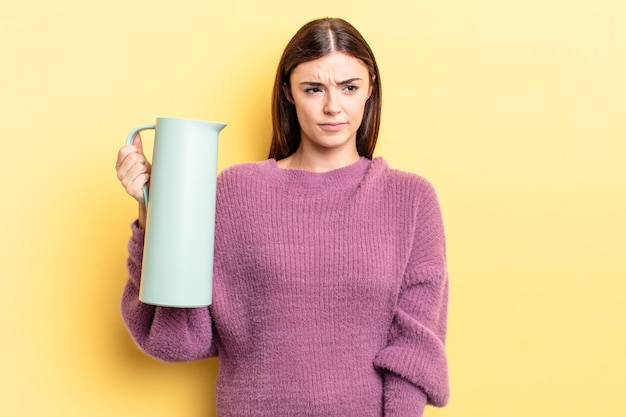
{"type": "Point", "coordinates": [307, 181]}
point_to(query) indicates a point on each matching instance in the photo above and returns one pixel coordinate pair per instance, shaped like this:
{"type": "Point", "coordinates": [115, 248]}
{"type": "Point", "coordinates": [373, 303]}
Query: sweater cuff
{"type": "Point", "coordinates": [135, 253]}
{"type": "Point", "coordinates": [135, 244]}
{"type": "Point", "coordinates": [402, 398]}
{"type": "Point", "coordinates": [137, 231]}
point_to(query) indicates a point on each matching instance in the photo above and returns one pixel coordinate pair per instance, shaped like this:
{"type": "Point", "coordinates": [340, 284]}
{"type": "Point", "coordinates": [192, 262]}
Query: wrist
{"type": "Point", "coordinates": [142, 216]}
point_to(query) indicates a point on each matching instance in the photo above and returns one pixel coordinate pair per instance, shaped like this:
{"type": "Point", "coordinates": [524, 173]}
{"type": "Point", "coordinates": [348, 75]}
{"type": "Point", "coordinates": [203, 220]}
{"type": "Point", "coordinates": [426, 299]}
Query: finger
{"type": "Point", "coordinates": [134, 180]}
{"type": "Point", "coordinates": [123, 154]}
{"type": "Point", "coordinates": [133, 164]}
{"type": "Point", "coordinates": [137, 187]}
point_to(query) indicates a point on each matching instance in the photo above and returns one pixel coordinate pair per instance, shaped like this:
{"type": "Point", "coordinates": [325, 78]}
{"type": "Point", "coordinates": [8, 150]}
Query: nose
{"type": "Point", "coordinates": [331, 106]}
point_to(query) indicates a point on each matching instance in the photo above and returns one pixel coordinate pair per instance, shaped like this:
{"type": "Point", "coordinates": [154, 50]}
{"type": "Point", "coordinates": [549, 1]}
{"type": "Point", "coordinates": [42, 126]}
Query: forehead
{"type": "Point", "coordinates": [337, 65]}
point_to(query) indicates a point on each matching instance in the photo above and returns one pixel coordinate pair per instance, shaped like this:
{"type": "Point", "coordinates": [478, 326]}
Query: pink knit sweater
{"type": "Point", "coordinates": [330, 295]}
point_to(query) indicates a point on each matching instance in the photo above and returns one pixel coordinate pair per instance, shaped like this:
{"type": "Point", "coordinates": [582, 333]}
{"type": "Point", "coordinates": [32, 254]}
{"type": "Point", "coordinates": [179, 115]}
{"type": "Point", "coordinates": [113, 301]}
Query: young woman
{"type": "Point", "coordinates": [330, 280]}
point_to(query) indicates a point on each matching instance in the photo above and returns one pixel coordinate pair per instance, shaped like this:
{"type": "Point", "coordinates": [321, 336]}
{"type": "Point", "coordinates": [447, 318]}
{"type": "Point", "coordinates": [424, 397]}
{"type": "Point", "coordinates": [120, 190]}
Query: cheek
{"type": "Point", "coordinates": [304, 112]}
{"type": "Point", "coordinates": [358, 110]}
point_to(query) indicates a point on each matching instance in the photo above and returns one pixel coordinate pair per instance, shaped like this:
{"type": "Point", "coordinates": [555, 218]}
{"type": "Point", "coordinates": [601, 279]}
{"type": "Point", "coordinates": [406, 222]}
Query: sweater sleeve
{"type": "Point", "coordinates": [414, 361]}
{"type": "Point", "coordinates": [166, 333]}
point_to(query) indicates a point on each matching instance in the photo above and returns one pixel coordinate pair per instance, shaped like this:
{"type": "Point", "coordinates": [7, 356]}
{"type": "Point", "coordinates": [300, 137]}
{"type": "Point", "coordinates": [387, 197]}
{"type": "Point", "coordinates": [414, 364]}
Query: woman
{"type": "Point", "coordinates": [330, 280]}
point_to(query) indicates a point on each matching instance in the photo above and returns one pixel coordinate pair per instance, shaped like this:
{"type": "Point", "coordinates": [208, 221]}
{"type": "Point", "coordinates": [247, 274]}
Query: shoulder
{"type": "Point", "coordinates": [238, 183]}
{"type": "Point", "coordinates": [402, 183]}
{"type": "Point", "coordinates": [244, 171]}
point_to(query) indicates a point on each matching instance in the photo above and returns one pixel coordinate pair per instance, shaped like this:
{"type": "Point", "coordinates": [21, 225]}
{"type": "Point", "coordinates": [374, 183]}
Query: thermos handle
{"type": "Point", "coordinates": [129, 141]}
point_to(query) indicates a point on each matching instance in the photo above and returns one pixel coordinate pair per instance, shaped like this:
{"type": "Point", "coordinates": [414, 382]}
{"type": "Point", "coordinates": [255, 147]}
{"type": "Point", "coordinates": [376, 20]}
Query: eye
{"type": "Point", "coordinates": [312, 90]}
{"type": "Point", "coordinates": [351, 87]}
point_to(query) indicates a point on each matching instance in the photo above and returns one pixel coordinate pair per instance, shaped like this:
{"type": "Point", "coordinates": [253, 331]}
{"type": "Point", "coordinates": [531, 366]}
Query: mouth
{"type": "Point", "coordinates": [332, 127]}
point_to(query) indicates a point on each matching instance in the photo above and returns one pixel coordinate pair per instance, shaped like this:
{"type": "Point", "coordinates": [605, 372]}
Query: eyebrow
{"type": "Point", "coordinates": [318, 84]}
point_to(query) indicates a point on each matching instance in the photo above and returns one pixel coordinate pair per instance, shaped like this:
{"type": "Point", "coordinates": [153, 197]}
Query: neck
{"type": "Point", "coordinates": [319, 161]}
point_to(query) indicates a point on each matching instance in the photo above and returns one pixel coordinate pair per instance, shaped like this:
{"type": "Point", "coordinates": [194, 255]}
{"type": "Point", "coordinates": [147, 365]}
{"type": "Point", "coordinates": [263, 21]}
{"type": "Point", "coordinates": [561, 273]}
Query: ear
{"type": "Point", "coordinates": [287, 92]}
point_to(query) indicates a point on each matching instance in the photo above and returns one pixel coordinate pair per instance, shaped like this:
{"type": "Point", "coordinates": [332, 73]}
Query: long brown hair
{"type": "Point", "coordinates": [314, 40]}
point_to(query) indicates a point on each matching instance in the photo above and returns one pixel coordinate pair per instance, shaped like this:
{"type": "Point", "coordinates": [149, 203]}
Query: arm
{"type": "Point", "coordinates": [169, 334]}
{"type": "Point", "coordinates": [414, 361]}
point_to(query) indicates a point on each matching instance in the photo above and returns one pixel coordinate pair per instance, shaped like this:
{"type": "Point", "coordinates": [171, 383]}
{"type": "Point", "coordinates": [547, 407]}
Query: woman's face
{"type": "Point", "coordinates": [329, 94]}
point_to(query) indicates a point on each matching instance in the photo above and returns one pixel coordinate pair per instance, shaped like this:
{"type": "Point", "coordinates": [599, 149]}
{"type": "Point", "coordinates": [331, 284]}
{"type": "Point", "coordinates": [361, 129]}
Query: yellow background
{"type": "Point", "coordinates": [514, 109]}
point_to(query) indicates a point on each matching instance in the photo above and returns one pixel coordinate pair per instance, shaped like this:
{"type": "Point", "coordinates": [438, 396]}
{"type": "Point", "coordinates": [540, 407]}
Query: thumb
{"type": "Point", "coordinates": [138, 144]}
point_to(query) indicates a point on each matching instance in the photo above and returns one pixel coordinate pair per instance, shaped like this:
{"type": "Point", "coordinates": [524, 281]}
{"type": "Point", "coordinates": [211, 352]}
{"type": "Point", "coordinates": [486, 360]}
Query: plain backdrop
{"type": "Point", "coordinates": [513, 109]}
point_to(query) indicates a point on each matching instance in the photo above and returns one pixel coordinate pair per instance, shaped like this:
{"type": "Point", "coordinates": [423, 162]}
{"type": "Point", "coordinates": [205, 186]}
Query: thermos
{"type": "Point", "coordinates": [177, 268]}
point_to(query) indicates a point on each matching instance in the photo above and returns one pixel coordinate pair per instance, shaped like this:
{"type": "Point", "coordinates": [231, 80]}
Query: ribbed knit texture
{"type": "Point", "coordinates": [330, 295]}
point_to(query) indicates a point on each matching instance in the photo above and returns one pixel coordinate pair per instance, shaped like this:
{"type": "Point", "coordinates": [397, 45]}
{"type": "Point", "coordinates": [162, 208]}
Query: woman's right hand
{"type": "Point", "coordinates": [133, 169]}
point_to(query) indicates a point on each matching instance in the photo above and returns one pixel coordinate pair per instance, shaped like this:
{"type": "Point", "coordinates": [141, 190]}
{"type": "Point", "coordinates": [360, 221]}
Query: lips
{"type": "Point", "coordinates": [332, 127]}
